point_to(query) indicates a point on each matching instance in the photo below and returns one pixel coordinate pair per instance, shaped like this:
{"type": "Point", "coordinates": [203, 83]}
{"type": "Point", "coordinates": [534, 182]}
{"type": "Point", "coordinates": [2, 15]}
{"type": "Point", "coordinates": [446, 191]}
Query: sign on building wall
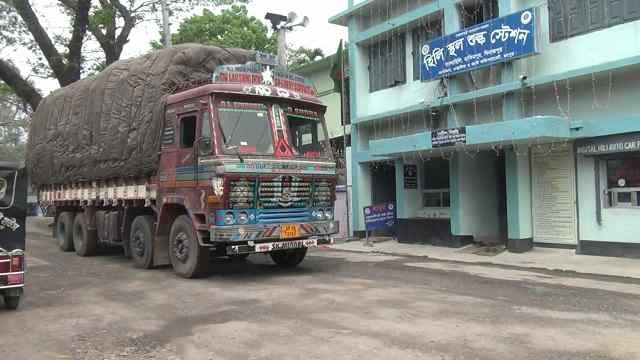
{"type": "Point", "coordinates": [609, 144]}
{"type": "Point", "coordinates": [448, 137]}
{"type": "Point", "coordinates": [410, 176]}
{"type": "Point", "coordinates": [498, 40]}
{"type": "Point", "coordinates": [381, 216]}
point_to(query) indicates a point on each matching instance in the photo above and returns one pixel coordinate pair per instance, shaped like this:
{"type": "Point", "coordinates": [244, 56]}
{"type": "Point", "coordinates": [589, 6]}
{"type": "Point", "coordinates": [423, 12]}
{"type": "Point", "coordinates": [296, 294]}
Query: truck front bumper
{"type": "Point", "coordinates": [271, 232]}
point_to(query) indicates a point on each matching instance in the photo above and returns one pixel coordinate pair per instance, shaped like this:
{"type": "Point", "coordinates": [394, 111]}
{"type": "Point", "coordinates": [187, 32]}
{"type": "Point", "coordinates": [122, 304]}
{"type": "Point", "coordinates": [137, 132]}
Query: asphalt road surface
{"type": "Point", "coordinates": [337, 305]}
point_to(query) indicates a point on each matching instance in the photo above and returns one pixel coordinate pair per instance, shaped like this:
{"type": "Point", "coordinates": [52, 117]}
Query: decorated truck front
{"type": "Point", "coordinates": [266, 160]}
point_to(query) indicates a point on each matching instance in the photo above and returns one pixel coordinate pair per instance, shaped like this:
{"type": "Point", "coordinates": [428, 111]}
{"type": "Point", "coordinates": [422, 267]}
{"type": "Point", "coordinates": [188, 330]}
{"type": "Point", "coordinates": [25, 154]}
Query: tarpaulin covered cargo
{"type": "Point", "coordinates": [108, 126]}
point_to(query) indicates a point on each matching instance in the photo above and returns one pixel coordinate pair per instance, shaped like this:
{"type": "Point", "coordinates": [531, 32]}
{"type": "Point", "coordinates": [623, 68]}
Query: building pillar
{"type": "Point", "coordinates": [519, 202]}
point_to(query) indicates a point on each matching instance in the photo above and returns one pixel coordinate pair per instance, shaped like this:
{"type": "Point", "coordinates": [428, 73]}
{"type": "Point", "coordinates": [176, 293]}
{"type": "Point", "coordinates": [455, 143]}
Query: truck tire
{"type": "Point", "coordinates": [288, 258]}
{"type": "Point", "coordinates": [64, 231]}
{"type": "Point", "coordinates": [141, 241]}
{"type": "Point", "coordinates": [11, 302]}
{"type": "Point", "coordinates": [85, 241]}
{"type": "Point", "coordinates": [188, 258]}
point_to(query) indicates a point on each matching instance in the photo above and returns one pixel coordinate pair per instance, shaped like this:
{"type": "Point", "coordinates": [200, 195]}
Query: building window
{"type": "Point", "coordinates": [419, 37]}
{"type": "Point", "coordinates": [435, 183]}
{"type": "Point", "coordinates": [577, 17]}
{"type": "Point", "coordinates": [476, 12]}
{"type": "Point", "coordinates": [623, 182]}
{"type": "Point", "coordinates": [387, 63]}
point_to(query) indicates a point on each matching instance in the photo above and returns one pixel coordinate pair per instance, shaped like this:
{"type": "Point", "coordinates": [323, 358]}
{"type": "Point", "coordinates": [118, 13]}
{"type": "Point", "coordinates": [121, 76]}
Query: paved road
{"type": "Point", "coordinates": [338, 305]}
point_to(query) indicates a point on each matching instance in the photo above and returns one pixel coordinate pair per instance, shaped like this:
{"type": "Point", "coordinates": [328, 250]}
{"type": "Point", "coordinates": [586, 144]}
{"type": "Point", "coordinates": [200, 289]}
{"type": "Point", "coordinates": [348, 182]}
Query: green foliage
{"type": "Point", "coordinates": [302, 56]}
{"type": "Point", "coordinates": [13, 126]}
{"type": "Point", "coordinates": [233, 27]}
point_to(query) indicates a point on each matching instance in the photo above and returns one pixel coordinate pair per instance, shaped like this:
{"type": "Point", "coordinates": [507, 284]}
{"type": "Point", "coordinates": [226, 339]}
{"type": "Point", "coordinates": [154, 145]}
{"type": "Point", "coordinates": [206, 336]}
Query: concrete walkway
{"type": "Point", "coordinates": [538, 258]}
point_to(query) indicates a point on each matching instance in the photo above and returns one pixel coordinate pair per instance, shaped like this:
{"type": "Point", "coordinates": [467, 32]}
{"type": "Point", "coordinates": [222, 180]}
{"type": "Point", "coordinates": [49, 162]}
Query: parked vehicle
{"type": "Point", "coordinates": [13, 210]}
{"type": "Point", "coordinates": [244, 167]}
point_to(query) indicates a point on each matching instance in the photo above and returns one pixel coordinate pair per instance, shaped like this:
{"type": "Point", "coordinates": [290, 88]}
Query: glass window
{"type": "Point", "coordinates": [187, 131]}
{"type": "Point", "coordinates": [205, 147]}
{"type": "Point", "coordinates": [623, 181]}
{"type": "Point", "coordinates": [308, 136]}
{"type": "Point", "coordinates": [245, 128]}
{"type": "Point", "coordinates": [387, 63]}
{"type": "Point", "coordinates": [435, 183]}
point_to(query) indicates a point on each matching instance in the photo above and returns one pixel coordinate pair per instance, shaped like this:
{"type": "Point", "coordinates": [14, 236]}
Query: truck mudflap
{"type": "Point", "coordinates": [252, 248]}
{"type": "Point", "coordinates": [273, 232]}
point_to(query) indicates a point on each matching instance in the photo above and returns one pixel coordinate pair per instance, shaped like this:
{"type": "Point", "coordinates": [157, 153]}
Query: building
{"type": "Point", "coordinates": [543, 149]}
{"type": "Point", "coordinates": [320, 74]}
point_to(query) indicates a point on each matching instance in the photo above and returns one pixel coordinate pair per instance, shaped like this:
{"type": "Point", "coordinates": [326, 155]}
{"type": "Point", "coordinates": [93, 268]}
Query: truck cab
{"type": "Point", "coordinates": [248, 157]}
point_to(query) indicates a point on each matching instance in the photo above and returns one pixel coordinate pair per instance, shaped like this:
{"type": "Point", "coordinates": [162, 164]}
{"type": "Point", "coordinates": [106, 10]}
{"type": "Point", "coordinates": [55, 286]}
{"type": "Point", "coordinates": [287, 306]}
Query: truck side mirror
{"type": "Point", "coordinates": [203, 146]}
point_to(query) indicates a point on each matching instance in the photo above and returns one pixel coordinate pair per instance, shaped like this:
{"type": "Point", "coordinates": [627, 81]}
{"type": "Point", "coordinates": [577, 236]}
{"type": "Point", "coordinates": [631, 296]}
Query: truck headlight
{"type": "Point", "coordinates": [318, 214]}
{"type": "Point", "coordinates": [328, 214]}
{"type": "Point", "coordinates": [243, 218]}
{"type": "Point", "coordinates": [229, 218]}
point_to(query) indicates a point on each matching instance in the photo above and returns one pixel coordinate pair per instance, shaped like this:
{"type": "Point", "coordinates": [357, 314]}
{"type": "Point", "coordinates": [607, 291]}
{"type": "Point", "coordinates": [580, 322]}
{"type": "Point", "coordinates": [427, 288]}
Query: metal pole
{"type": "Point", "coordinates": [344, 138]}
{"type": "Point", "coordinates": [166, 31]}
{"type": "Point", "coordinates": [282, 46]}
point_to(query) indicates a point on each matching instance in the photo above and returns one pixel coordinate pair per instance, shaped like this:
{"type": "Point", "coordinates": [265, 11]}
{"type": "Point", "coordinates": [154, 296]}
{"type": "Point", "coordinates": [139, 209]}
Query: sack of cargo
{"type": "Point", "coordinates": [109, 125]}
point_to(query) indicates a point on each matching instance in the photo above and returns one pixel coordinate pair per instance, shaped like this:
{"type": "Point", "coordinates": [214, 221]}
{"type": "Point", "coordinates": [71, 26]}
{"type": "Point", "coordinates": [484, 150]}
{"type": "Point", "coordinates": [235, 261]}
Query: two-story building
{"type": "Point", "coordinates": [546, 147]}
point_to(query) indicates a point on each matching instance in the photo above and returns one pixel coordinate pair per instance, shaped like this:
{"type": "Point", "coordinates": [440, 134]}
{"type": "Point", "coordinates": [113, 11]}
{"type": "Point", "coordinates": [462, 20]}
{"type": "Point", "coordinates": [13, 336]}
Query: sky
{"type": "Point", "coordinates": [319, 33]}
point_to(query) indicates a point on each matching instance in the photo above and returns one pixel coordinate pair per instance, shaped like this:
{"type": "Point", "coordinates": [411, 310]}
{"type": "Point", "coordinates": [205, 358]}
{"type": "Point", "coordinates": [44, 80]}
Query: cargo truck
{"type": "Point", "coordinates": [243, 166]}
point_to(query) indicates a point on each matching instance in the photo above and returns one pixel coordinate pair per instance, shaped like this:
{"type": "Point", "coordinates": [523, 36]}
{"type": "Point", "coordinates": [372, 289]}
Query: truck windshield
{"type": "Point", "coordinates": [245, 127]}
{"type": "Point", "coordinates": [308, 136]}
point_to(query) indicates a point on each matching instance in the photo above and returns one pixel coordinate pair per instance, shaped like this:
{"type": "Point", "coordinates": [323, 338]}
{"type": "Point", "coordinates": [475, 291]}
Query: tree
{"type": "Point", "coordinates": [233, 27]}
{"type": "Point", "coordinates": [65, 66]}
{"type": "Point", "coordinates": [302, 56]}
{"type": "Point", "coordinates": [112, 21]}
{"type": "Point", "coordinates": [109, 22]}
{"type": "Point", "coordinates": [13, 125]}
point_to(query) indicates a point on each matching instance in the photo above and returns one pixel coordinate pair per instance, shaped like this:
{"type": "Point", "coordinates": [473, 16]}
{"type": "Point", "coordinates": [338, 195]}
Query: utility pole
{"type": "Point", "coordinates": [281, 24]}
{"type": "Point", "coordinates": [166, 30]}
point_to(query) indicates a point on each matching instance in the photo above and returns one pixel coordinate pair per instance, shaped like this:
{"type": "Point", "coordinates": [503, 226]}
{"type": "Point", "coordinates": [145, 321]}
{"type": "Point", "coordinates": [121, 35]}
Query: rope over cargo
{"type": "Point", "coordinates": [109, 126]}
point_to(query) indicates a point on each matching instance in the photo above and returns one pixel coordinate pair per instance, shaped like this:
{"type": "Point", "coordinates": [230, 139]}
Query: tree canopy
{"type": "Point", "coordinates": [63, 56]}
{"type": "Point", "coordinates": [233, 27]}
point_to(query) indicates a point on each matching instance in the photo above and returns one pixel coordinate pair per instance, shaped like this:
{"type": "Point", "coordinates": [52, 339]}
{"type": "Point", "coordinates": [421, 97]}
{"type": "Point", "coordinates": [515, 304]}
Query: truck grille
{"type": "Point", "coordinates": [242, 193]}
{"type": "Point", "coordinates": [285, 192]}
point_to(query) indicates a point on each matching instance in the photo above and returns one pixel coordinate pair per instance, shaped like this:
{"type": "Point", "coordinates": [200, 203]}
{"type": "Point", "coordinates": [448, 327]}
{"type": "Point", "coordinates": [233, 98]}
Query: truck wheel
{"type": "Point", "coordinates": [288, 258]}
{"type": "Point", "coordinates": [64, 231]}
{"type": "Point", "coordinates": [85, 241]}
{"type": "Point", "coordinates": [141, 241]}
{"type": "Point", "coordinates": [11, 302]}
{"type": "Point", "coordinates": [188, 258]}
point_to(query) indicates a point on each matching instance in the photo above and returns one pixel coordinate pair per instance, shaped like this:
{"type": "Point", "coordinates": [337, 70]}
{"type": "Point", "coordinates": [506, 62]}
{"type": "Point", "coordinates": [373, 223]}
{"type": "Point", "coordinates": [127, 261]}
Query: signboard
{"type": "Point", "coordinates": [448, 137]}
{"type": "Point", "coordinates": [609, 144]}
{"type": "Point", "coordinates": [410, 176]}
{"type": "Point", "coordinates": [381, 216]}
{"type": "Point", "coordinates": [495, 41]}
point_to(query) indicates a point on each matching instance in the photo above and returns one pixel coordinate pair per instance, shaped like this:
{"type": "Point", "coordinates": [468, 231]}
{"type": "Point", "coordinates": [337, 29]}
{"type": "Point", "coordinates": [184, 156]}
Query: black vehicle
{"type": "Point", "coordinates": [13, 210]}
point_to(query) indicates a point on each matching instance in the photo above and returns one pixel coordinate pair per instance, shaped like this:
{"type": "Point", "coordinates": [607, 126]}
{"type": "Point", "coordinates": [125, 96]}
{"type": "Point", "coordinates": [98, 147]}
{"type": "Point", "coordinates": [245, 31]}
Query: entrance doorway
{"type": "Point", "coordinates": [383, 183]}
{"type": "Point", "coordinates": [383, 187]}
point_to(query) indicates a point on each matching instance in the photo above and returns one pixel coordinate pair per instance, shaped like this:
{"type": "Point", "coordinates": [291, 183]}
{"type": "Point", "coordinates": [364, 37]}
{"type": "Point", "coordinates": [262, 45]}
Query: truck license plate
{"type": "Point", "coordinates": [289, 231]}
{"type": "Point", "coordinates": [286, 245]}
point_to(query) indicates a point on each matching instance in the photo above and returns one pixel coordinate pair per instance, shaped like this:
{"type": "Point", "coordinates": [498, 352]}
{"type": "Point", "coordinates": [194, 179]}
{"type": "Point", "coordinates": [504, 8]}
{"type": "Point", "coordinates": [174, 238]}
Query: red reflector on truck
{"type": "Point", "coordinates": [16, 263]}
{"type": "Point", "coordinates": [15, 279]}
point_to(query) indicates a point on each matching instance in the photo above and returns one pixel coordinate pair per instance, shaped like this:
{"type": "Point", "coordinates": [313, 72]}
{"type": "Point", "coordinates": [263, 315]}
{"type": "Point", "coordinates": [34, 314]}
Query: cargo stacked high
{"type": "Point", "coordinates": [184, 154]}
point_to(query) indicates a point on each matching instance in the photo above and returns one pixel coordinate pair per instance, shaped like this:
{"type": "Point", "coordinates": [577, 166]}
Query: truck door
{"type": "Point", "coordinates": [186, 159]}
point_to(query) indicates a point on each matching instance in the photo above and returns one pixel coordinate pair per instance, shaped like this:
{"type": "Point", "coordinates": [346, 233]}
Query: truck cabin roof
{"type": "Point", "coordinates": [253, 80]}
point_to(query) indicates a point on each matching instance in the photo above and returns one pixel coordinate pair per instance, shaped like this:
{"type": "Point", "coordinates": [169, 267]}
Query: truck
{"type": "Point", "coordinates": [13, 210]}
{"type": "Point", "coordinates": [244, 166]}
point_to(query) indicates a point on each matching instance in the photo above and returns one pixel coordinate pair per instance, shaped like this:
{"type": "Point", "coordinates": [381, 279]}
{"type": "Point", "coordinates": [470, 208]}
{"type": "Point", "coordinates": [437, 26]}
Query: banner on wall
{"type": "Point", "coordinates": [410, 176]}
{"type": "Point", "coordinates": [495, 41]}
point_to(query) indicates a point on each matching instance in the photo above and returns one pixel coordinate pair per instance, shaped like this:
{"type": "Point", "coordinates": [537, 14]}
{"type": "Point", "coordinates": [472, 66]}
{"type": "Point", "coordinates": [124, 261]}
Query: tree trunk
{"type": "Point", "coordinates": [23, 88]}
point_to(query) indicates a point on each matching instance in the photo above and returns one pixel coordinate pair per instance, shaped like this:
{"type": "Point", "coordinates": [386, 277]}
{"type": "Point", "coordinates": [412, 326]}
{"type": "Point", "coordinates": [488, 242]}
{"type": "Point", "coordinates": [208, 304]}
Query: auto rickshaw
{"type": "Point", "coordinates": [13, 211]}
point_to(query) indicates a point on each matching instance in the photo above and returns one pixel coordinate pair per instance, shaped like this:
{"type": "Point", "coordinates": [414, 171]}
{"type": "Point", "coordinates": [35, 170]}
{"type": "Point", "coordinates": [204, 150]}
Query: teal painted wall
{"type": "Point", "coordinates": [519, 210]}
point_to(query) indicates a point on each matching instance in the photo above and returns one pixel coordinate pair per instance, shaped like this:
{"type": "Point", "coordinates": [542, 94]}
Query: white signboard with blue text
{"type": "Point", "coordinates": [499, 40]}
